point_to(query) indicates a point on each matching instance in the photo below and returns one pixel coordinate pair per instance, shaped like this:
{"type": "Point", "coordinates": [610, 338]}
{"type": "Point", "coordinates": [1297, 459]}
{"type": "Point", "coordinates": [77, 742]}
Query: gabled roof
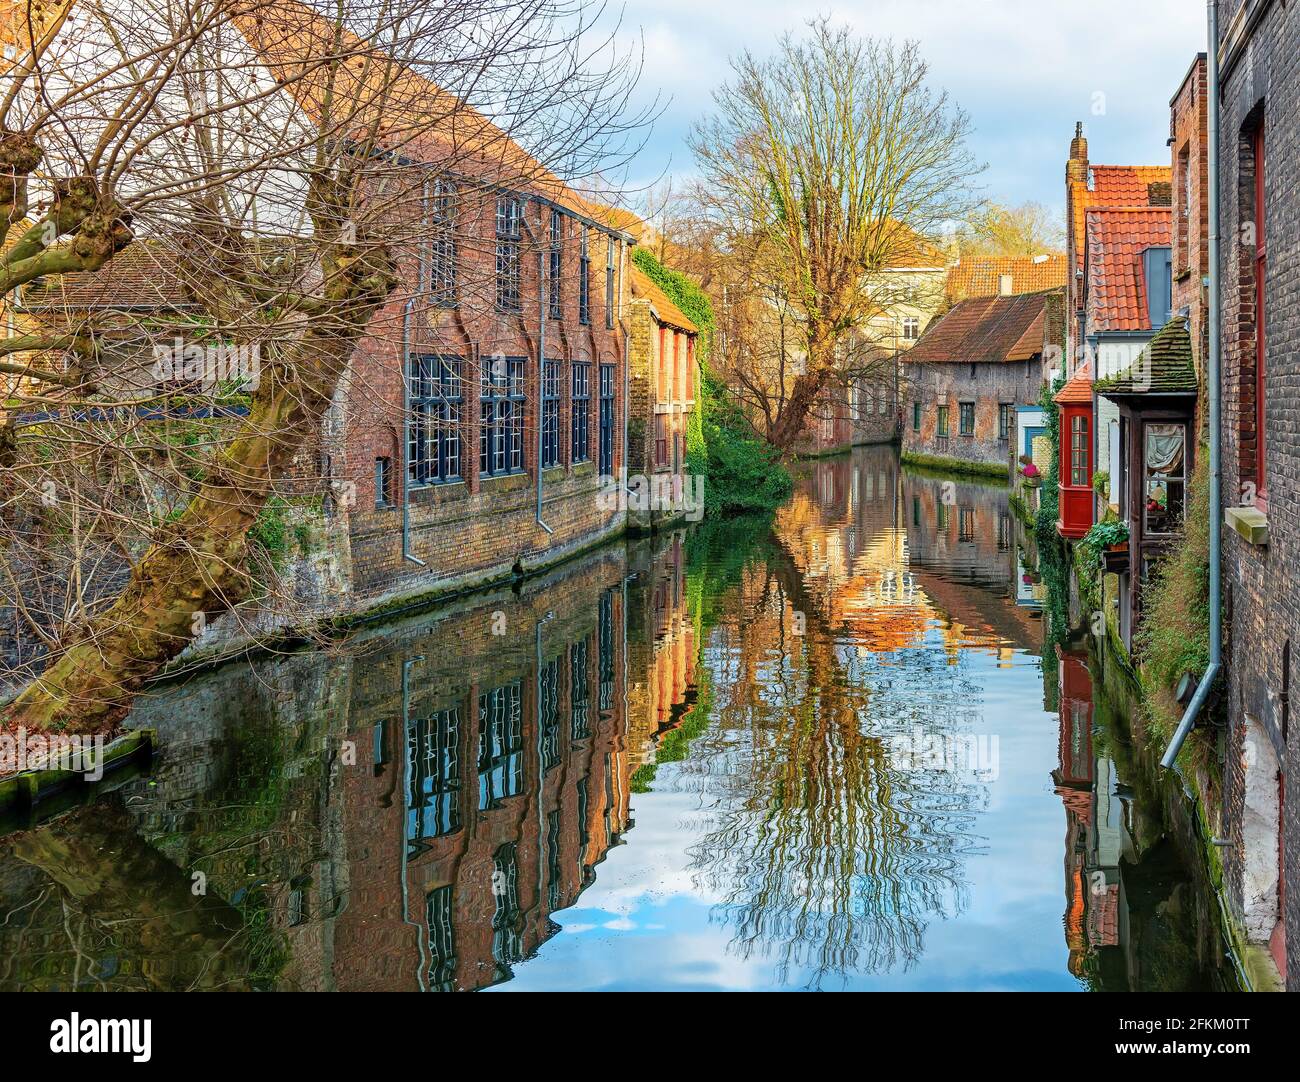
{"type": "Point", "coordinates": [1116, 239]}
{"type": "Point", "coordinates": [1115, 186]}
{"type": "Point", "coordinates": [985, 329]}
{"type": "Point", "coordinates": [983, 277]}
{"type": "Point", "coordinates": [644, 288]}
{"type": "Point", "coordinates": [414, 116]}
{"type": "Point", "coordinates": [145, 274]}
{"type": "Point", "coordinates": [1078, 388]}
{"type": "Point", "coordinates": [1163, 367]}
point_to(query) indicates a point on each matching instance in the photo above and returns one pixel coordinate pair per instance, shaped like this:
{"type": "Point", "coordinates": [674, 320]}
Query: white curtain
{"type": "Point", "coordinates": [1165, 448]}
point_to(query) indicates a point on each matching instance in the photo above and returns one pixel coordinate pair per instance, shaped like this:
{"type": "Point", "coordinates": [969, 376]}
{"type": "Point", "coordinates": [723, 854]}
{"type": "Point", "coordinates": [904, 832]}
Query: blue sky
{"type": "Point", "coordinates": [1025, 71]}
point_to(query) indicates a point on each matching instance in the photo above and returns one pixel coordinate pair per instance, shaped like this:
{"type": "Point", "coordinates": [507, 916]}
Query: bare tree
{"type": "Point", "coordinates": [1029, 229]}
{"type": "Point", "coordinates": [823, 167]}
{"type": "Point", "coordinates": [256, 176]}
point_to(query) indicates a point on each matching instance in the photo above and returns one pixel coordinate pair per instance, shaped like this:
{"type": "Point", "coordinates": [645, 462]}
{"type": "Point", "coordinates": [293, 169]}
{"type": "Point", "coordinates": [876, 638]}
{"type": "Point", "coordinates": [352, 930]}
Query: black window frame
{"type": "Point", "coordinates": [579, 412]}
{"type": "Point", "coordinates": [552, 380]}
{"type": "Point", "coordinates": [501, 417]}
{"type": "Point", "coordinates": [383, 482]}
{"type": "Point", "coordinates": [435, 451]}
{"type": "Point", "coordinates": [555, 256]}
{"type": "Point", "coordinates": [442, 244]}
{"type": "Point", "coordinates": [584, 279]}
{"type": "Point", "coordinates": [509, 216]}
{"type": "Point", "coordinates": [609, 284]}
{"type": "Point", "coordinates": [608, 375]}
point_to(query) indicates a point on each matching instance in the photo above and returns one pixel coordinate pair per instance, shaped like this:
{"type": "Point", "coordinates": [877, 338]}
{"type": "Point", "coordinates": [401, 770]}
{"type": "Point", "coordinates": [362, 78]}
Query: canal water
{"type": "Point", "coordinates": [828, 750]}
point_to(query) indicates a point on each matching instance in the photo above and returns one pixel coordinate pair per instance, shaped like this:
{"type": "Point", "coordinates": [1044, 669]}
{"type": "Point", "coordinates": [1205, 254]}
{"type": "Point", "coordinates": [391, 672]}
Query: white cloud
{"type": "Point", "coordinates": [1025, 70]}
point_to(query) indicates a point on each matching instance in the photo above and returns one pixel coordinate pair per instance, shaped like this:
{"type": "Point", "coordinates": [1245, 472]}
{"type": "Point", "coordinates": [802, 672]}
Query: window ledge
{"type": "Point", "coordinates": [1249, 522]}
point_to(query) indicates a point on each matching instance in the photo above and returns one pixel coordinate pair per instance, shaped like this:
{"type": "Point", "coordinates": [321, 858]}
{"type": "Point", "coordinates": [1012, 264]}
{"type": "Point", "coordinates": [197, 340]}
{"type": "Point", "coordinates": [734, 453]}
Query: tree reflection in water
{"type": "Point", "coordinates": [827, 850]}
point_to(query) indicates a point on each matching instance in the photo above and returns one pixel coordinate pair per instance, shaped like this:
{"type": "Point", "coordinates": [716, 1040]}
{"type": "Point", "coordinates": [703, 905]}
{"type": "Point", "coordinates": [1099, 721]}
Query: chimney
{"type": "Point", "coordinates": [1077, 167]}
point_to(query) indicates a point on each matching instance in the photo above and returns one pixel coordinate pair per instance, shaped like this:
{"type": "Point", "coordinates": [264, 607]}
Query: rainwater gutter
{"type": "Point", "coordinates": [1213, 399]}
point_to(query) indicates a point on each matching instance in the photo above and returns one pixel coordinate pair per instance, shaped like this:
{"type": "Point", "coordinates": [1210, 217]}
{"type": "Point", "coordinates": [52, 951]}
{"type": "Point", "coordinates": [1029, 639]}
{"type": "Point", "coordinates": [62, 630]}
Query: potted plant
{"type": "Point", "coordinates": [1109, 539]}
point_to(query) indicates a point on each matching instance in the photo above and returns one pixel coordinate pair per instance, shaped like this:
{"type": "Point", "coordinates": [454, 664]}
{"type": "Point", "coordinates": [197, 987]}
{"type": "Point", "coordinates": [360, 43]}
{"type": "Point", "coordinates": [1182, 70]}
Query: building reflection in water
{"type": "Point", "coordinates": [409, 810]}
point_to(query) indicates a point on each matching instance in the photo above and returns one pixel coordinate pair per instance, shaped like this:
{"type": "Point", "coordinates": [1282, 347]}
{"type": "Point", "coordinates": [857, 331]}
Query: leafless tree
{"type": "Point", "coordinates": [253, 178]}
{"type": "Point", "coordinates": [824, 167]}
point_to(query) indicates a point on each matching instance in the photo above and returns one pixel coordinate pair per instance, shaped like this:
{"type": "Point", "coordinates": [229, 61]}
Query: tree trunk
{"type": "Point", "coordinates": [198, 567]}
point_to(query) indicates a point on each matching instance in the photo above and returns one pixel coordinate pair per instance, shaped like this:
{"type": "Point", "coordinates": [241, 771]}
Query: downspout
{"type": "Point", "coordinates": [406, 809]}
{"type": "Point", "coordinates": [541, 377]}
{"type": "Point", "coordinates": [407, 554]}
{"type": "Point", "coordinates": [1213, 400]}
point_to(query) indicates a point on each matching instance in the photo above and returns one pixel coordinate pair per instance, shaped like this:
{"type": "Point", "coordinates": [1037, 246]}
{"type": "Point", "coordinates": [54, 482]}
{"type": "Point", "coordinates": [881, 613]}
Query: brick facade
{"type": "Point", "coordinates": [478, 526]}
{"type": "Point", "coordinates": [1260, 77]}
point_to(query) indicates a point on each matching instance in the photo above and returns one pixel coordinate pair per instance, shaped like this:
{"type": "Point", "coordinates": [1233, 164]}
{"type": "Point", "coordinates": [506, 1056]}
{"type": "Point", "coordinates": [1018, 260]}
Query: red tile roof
{"type": "Point", "coordinates": [1116, 186]}
{"type": "Point", "coordinates": [145, 274]}
{"type": "Point", "coordinates": [665, 309]}
{"type": "Point", "coordinates": [985, 329]}
{"type": "Point", "coordinates": [1077, 390]}
{"type": "Point", "coordinates": [982, 277]}
{"type": "Point", "coordinates": [1116, 239]}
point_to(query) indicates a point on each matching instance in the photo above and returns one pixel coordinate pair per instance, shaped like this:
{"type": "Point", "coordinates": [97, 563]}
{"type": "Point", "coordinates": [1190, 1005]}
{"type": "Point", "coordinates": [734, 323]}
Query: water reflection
{"type": "Point", "coordinates": [824, 739]}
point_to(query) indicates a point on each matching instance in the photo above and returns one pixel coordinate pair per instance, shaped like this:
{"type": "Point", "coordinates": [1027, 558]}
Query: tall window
{"type": "Point", "coordinates": [551, 414]}
{"type": "Point", "coordinates": [433, 792]}
{"type": "Point", "coordinates": [1004, 421]}
{"type": "Point", "coordinates": [548, 713]}
{"type": "Point", "coordinates": [584, 279]}
{"type": "Point", "coordinates": [500, 746]}
{"type": "Point", "coordinates": [911, 329]}
{"type": "Point", "coordinates": [442, 255]}
{"type": "Point", "coordinates": [606, 420]}
{"type": "Point", "coordinates": [383, 482]}
{"type": "Point", "coordinates": [1079, 451]}
{"type": "Point", "coordinates": [661, 439]}
{"type": "Point", "coordinates": [556, 256]}
{"type": "Point", "coordinates": [580, 416]}
{"type": "Point", "coordinates": [508, 216]}
{"type": "Point", "coordinates": [433, 437]}
{"type": "Point", "coordinates": [507, 927]}
{"type": "Point", "coordinates": [916, 416]}
{"type": "Point", "coordinates": [1261, 312]}
{"type": "Point", "coordinates": [501, 430]}
{"type": "Point", "coordinates": [442, 939]}
{"type": "Point", "coordinates": [609, 284]}
{"type": "Point", "coordinates": [579, 691]}
{"type": "Point", "coordinates": [967, 418]}
{"type": "Point", "coordinates": [941, 423]}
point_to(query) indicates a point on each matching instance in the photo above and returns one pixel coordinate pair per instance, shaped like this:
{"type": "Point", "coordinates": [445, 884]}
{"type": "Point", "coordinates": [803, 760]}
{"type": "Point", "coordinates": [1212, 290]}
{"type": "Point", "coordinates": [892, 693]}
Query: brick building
{"type": "Point", "coordinates": [662, 379]}
{"type": "Point", "coordinates": [488, 395]}
{"type": "Point", "coordinates": [1259, 54]}
{"type": "Point", "coordinates": [968, 374]}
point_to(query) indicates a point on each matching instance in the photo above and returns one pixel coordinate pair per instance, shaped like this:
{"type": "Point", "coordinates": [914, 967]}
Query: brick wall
{"type": "Point", "coordinates": [1261, 584]}
{"type": "Point", "coordinates": [987, 385]}
{"type": "Point", "coordinates": [479, 526]}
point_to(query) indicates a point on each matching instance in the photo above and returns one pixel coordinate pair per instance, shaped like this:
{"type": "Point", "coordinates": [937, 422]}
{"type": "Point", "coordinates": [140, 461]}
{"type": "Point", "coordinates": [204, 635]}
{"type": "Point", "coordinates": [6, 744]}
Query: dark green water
{"type": "Point", "coordinates": [824, 751]}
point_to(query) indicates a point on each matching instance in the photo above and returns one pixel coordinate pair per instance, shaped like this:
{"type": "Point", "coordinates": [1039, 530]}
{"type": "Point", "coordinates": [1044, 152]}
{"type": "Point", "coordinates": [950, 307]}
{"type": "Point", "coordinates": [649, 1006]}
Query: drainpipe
{"type": "Point", "coordinates": [405, 752]}
{"type": "Point", "coordinates": [1212, 396]}
{"type": "Point", "coordinates": [541, 376]}
{"type": "Point", "coordinates": [407, 554]}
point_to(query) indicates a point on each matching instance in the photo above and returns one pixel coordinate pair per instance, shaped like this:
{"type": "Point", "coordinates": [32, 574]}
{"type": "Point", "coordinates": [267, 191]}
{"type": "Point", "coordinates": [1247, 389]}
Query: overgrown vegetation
{"type": "Point", "coordinates": [1174, 636]}
{"type": "Point", "coordinates": [742, 472]}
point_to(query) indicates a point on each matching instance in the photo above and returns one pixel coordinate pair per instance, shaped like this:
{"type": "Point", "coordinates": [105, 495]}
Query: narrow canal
{"type": "Point", "coordinates": [826, 751]}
